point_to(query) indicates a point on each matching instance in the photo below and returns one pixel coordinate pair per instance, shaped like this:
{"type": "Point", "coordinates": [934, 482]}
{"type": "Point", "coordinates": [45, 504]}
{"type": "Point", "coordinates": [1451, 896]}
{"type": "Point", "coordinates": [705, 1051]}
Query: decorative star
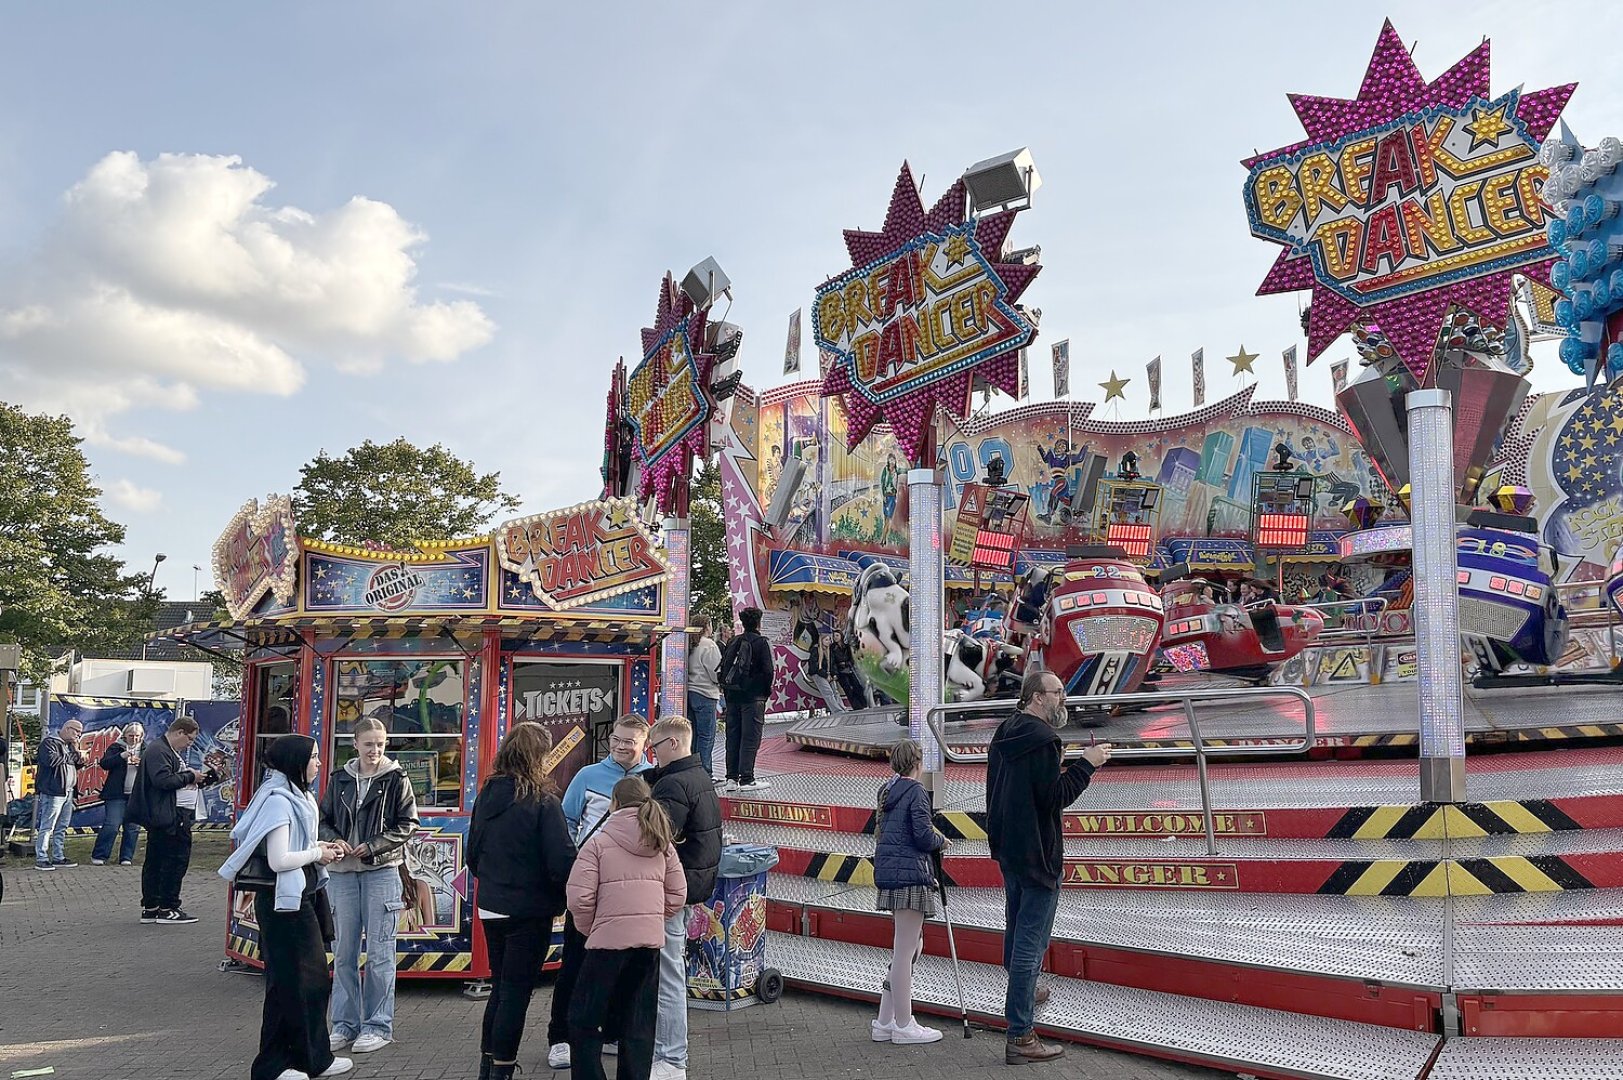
{"type": "Point", "coordinates": [1242, 361]}
{"type": "Point", "coordinates": [1393, 88]}
{"type": "Point", "coordinates": [957, 250]}
{"type": "Point", "coordinates": [1113, 387]}
{"type": "Point", "coordinates": [1488, 126]}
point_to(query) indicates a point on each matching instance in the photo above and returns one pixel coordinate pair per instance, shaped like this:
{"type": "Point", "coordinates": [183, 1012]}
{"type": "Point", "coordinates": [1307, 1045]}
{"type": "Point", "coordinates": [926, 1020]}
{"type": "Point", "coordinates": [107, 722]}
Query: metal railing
{"type": "Point", "coordinates": [1601, 607]}
{"type": "Point", "coordinates": [1374, 606]}
{"type": "Point", "coordinates": [1186, 699]}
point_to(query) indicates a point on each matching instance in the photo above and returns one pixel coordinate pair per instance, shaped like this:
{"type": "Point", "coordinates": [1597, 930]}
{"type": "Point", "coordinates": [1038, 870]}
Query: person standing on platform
{"type": "Point", "coordinates": [295, 919]}
{"type": "Point", "coordinates": [165, 799]}
{"type": "Point", "coordinates": [626, 883]}
{"type": "Point", "coordinates": [370, 810]}
{"type": "Point", "coordinates": [704, 690]}
{"type": "Point", "coordinates": [56, 767]}
{"type": "Point", "coordinates": [684, 790]}
{"type": "Point", "coordinates": [1026, 795]}
{"type": "Point", "coordinates": [746, 680]}
{"type": "Point", "coordinates": [121, 762]}
{"type": "Point", "coordinates": [843, 662]}
{"type": "Point", "coordinates": [586, 805]}
{"type": "Point", "coordinates": [520, 855]}
{"type": "Point", "coordinates": [905, 838]}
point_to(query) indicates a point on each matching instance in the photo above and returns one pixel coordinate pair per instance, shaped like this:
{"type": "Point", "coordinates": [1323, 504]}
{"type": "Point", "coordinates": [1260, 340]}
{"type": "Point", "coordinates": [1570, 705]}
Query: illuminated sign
{"type": "Point", "coordinates": [1409, 188]}
{"type": "Point", "coordinates": [1282, 530]}
{"type": "Point", "coordinates": [1133, 539]}
{"type": "Point", "coordinates": [392, 587]}
{"type": "Point", "coordinates": [667, 396]}
{"type": "Point", "coordinates": [926, 305]}
{"type": "Point", "coordinates": [990, 523]}
{"type": "Point", "coordinates": [257, 553]}
{"type": "Point", "coordinates": [582, 554]}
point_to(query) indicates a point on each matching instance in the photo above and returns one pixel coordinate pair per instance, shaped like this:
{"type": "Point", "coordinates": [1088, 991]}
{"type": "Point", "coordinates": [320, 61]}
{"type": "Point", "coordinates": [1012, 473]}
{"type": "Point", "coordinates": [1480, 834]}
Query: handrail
{"type": "Point", "coordinates": [1341, 632]}
{"type": "Point", "coordinates": [935, 719]}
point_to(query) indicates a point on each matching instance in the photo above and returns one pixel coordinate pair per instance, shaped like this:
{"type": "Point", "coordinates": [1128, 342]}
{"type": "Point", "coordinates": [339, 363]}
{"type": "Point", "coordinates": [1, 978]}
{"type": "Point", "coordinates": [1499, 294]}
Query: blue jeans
{"type": "Point", "coordinates": [702, 715]}
{"type": "Point", "coordinates": [1029, 919]}
{"type": "Point", "coordinates": [366, 902]}
{"type": "Point", "coordinates": [671, 1029]}
{"type": "Point", "coordinates": [112, 820]}
{"type": "Point", "coordinates": [51, 816]}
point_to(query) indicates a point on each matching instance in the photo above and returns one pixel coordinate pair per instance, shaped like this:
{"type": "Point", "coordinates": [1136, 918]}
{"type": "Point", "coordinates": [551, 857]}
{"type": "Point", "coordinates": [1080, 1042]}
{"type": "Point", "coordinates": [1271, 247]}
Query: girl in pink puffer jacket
{"type": "Point", "coordinates": [626, 882]}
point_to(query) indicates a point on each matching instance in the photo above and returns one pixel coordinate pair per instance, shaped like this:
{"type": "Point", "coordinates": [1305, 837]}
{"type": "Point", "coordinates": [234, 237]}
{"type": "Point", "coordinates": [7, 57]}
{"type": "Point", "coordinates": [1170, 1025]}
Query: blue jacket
{"type": "Point", "coordinates": [905, 837]}
{"type": "Point", "coordinates": [275, 804]}
{"type": "Point", "coordinates": [586, 801]}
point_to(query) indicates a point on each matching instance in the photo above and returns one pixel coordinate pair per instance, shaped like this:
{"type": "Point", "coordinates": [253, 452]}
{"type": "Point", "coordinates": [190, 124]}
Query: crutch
{"type": "Point", "coordinates": [952, 941]}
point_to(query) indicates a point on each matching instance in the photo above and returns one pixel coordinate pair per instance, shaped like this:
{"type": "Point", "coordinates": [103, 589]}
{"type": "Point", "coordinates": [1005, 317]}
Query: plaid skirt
{"type": "Point", "coordinates": [912, 898]}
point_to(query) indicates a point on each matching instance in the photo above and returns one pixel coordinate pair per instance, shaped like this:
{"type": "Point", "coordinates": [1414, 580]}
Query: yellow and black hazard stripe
{"type": "Point", "coordinates": [1387, 877]}
{"type": "Point", "coordinates": [1390, 738]}
{"type": "Point", "coordinates": [1431, 822]}
{"type": "Point", "coordinates": [1454, 877]}
{"type": "Point", "coordinates": [243, 947]}
{"type": "Point", "coordinates": [961, 824]}
{"type": "Point", "coordinates": [844, 869]}
{"type": "Point", "coordinates": [1563, 732]}
{"type": "Point", "coordinates": [423, 963]}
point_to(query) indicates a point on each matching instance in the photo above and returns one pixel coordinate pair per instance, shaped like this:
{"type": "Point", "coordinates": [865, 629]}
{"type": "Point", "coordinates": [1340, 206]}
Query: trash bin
{"type": "Point", "coordinates": [726, 950]}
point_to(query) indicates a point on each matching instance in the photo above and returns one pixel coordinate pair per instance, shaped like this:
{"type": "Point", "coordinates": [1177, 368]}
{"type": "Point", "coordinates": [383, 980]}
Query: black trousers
{"type": "Point", "coordinates": [745, 721]}
{"type": "Point", "coordinates": [293, 1030]}
{"type": "Point", "coordinates": [623, 983]}
{"type": "Point", "coordinates": [169, 853]}
{"type": "Point", "coordinates": [855, 692]}
{"type": "Point", "coordinates": [517, 948]}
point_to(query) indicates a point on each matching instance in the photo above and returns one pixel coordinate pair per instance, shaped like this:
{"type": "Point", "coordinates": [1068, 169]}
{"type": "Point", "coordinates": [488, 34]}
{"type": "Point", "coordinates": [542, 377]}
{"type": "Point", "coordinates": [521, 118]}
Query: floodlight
{"type": "Point", "coordinates": [1005, 182]}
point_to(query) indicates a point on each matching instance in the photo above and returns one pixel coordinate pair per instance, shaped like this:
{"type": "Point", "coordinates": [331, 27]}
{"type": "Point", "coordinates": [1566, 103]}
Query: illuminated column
{"type": "Point", "coordinates": [926, 564]}
{"type": "Point", "coordinates": [673, 656]}
{"type": "Point", "coordinates": [1436, 596]}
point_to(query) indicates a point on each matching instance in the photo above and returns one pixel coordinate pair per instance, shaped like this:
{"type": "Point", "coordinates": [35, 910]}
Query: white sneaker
{"type": "Point", "coordinates": [292, 1074]}
{"type": "Point", "coordinates": [613, 1049]}
{"type": "Point", "coordinates": [755, 785]}
{"type": "Point", "coordinates": [914, 1034]}
{"type": "Point", "coordinates": [558, 1056]}
{"type": "Point", "coordinates": [98, 862]}
{"type": "Point", "coordinates": [881, 1032]}
{"type": "Point", "coordinates": [664, 1070]}
{"type": "Point", "coordinates": [368, 1042]}
{"type": "Point", "coordinates": [340, 1066]}
{"type": "Point", "coordinates": [337, 1041]}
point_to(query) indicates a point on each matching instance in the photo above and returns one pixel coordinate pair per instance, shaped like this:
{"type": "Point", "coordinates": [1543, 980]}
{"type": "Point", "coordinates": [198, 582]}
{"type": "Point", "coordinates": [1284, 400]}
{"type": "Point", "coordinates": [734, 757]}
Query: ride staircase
{"type": "Point", "coordinates": [1340, 929]}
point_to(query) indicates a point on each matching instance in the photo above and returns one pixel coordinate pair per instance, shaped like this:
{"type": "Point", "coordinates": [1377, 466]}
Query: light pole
{"type": "Point", "coordinates": [195, 571]}
{"type": "Point", "coordinates": [152, 584]}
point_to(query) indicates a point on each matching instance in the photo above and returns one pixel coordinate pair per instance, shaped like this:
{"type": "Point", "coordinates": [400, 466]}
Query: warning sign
{"type": "Point", "coordinates": [968, 525]}
{"type": "Point", "coordinates": [1150, 875]}
{"type": "Point", "coordinates": [1344, 665]}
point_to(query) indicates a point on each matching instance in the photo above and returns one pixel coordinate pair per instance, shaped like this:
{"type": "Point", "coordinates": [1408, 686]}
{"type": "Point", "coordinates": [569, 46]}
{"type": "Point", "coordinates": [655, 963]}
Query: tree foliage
{"type": "Point", "coordinates": [707, 543]}
{"type": "Point", "coordinates": [60, 588]}
{"type": "Point", "coordinates": [395, 493]}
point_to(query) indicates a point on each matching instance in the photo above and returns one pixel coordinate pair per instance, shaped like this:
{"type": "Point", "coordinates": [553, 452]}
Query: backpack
{"type": "Point", "coordinates": [734, 667]}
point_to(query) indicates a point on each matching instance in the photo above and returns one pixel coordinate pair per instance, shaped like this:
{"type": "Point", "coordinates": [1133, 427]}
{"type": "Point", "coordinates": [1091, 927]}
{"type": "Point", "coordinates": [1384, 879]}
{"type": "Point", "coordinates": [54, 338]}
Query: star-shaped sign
{"type": "Point", "coordinates": [1242, 361]}
{"type": "Point", "coordinates": [1488, 126]}
{"type": "Point", "coordinates": [1114, 387]}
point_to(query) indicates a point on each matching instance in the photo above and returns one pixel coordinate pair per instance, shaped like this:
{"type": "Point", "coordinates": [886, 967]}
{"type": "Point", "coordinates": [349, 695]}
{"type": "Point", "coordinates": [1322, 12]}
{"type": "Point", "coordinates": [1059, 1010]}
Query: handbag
{"type": "Point", "coordinates": [256, 874]}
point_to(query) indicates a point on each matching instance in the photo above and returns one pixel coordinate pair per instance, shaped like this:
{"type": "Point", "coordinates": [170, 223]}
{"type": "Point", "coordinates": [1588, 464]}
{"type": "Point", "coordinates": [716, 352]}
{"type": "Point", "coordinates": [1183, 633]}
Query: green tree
{"type": "Point", "coordinates": [707, 542]}
{"type": "Point", "coordinates": [60, 588]}
{"type": "Point", "coordinates": [395, 493]}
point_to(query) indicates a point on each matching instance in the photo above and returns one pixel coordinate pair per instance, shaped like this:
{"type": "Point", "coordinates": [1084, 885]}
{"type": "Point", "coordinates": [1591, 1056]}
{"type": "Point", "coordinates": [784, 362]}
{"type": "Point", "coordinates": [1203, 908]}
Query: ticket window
{"type": "Point", "coordinates": [422, 702]}
{"type": "Point", "coordinates": [276, 698]}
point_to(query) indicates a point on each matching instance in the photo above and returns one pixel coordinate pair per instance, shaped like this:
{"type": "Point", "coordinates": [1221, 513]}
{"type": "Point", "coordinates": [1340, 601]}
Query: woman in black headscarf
{"type": "Point", "coordinates": [295, 922]}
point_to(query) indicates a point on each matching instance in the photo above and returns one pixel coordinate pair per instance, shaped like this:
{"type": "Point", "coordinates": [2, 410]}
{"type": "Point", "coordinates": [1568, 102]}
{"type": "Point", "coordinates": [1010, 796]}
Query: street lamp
{"type": "Point", "coordinates": [152, 579]}
{"type": "Point", "coordinates": [195, 571]}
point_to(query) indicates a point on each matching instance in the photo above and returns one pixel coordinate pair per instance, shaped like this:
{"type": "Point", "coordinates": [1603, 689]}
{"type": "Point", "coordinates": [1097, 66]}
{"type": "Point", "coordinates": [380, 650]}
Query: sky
{"type": "Point", "coordinates": [233, 236]}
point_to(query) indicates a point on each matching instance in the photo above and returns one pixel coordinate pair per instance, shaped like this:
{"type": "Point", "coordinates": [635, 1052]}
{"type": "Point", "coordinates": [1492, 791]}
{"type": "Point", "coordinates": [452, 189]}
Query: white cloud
{"type": "Point", "coordinates": [132, 497]}
{"type": "Point", "coordinates": [163, 280]}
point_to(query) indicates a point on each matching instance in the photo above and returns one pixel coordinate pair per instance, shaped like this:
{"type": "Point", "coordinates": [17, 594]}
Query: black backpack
{"type": "Point", "coordinates": [734, 667]}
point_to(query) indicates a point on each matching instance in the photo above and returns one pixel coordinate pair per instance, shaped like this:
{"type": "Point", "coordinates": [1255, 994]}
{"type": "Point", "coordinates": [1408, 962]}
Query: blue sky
{"type": "Point", "coordinates": [528, 172]}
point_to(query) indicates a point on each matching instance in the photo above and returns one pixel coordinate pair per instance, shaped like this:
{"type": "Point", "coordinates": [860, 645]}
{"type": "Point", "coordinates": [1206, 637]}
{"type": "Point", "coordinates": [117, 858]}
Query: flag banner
{"type": "Point", "coordinates": [1153, 370]}
{"type": "Point", "coordinates": [1290, 373]}
{"type": "Point", "coordinates": [1062, 368]}
{"type": "Point", "coordinates": [1025, 376]}
{"type": "Point", "coordinates": [791, 348]}
{"type": "Point", "coordinates": [1338, 375]}
{"type": "Point", "coordinates": [1198, 359]}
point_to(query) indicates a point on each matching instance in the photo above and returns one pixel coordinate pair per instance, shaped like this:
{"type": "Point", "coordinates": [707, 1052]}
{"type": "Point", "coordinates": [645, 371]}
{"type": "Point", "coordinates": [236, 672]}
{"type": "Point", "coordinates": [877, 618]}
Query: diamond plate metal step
{"type": "Point", "coordinates": [1394, 940]}
{"type": "Point", "coordinates": [1238, 1038]}
{"type": "Point", "coordinates": [1530, 1059]}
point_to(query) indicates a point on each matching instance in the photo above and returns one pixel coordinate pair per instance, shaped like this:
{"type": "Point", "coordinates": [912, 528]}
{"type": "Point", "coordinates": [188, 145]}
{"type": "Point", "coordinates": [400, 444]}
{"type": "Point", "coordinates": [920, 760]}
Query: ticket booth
{"type": "Point", "coordinates": [555, 618]}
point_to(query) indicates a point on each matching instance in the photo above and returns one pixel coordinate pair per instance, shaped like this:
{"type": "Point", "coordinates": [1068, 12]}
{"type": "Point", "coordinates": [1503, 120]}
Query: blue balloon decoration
{"type": "Point", "coordinates": [1560, 275]}
{"type": "Point", "coordinates": [1556, 231]}
{"type": "Point", "coordinates": [1579, 261]}
{"type": "Point", "coordinates": [1565, 316]}
{"type": "Point", "coordinates": [1573, 354]}
{"type": "Point", "coordinates": [1583, 304]}
{"type": "Point", "coordinates": [1575, 219]}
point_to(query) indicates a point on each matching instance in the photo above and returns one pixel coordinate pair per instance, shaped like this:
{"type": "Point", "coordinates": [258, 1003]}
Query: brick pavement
{"type": "Point", "coordinates": [88, 990]}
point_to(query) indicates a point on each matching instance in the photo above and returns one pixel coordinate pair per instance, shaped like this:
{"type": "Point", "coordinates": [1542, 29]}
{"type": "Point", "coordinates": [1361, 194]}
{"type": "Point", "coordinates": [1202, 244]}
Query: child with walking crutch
{"type": "Point", "coordinates": [626, 882]}
{"type": "Point", "coordinates": [905, 839]}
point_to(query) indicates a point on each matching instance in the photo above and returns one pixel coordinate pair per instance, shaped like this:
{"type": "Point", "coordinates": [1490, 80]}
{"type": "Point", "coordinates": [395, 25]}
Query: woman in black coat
{"type": "Point", "coordinates": [520, 854]}
{"type": "Point", "coordinates": [905, 840]}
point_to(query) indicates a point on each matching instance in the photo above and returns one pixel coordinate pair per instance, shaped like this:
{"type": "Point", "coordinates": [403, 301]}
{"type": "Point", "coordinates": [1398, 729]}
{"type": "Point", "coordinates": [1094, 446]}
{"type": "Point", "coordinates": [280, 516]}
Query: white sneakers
{"type": "Point", "coordinates": [914, 1034]}
{"type": "Point", "coordinates": [339, 1067]}
{"type": "Point", "coordinates": [368, 1042]}
{"type": "Point", "coordinates": [558, 1056]}
{"type": "Point", "coordinates": [754, 785]}
{"type": "Point", "coordinates": [337, 1042]}
{"type": "Point", "coordinates": [664, 1070]}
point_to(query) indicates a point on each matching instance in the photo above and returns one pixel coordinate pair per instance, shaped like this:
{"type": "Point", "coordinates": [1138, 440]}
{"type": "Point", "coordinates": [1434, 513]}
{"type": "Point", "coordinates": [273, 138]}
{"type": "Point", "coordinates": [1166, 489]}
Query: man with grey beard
{"type": "Point", "coordinates": [1026, 796]}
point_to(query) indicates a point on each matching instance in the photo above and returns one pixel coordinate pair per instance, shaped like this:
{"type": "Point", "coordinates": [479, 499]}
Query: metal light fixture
{"type": "Point", "coordinates": [1129, 466]}
{"type": "Point", "coordinates": [1005, 182]}
{"type": "Point", "coordinates": [152, 578]}
{"type": "Point", "coordinates": [705, 282]}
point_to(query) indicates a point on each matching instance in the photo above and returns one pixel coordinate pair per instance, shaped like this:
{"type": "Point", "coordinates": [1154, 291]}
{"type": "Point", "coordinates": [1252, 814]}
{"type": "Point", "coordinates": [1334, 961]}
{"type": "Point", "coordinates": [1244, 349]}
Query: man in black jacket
{"type": "Point", "coordinates": [684, 788]}
{"type": "Point", "coordinates": [746, 681]}
{"type": "Point", "coordinates": [165, 800]}
{"type": "Point", "coordinates": [56, 782]}
{"type": "Point", "coordinates": [1026, 796]}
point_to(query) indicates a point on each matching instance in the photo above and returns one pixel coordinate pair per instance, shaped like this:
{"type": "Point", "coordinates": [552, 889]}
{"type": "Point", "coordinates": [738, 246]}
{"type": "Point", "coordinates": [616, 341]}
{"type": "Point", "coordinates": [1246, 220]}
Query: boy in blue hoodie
{"type": "Point", "coordinates": [586, 803]}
